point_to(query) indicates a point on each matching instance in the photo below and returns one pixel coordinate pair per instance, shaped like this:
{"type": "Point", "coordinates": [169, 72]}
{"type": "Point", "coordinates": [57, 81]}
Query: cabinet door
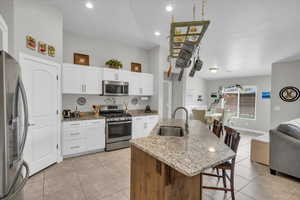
{"type": "Point", "coordinates": [138, 127]}
{"type": "Point", "coordinates": [72, 80]}
{"type": "Point", "coordinates": [152, 121]}
{"type": "Point", "coordinates": [92, 81]}
{"type": "Point", "coordinates": [95, 135]}
{"type": "Point", "coordinates": [111, 75]}
{"type": "Point", "coordinates": [137, 84]}
{"type": "Point", "coordinates": [148, 84]}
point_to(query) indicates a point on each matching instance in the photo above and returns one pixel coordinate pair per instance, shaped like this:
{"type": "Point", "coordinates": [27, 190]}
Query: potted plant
{"type": "Point", "coordinates": [114, 63]}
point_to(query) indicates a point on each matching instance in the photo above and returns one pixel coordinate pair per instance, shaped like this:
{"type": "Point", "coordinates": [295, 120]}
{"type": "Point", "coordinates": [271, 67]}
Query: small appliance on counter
{"type": "Point", "coordinates": [67, 113]}
{"type": "Point", "coordinates": [148, 109]}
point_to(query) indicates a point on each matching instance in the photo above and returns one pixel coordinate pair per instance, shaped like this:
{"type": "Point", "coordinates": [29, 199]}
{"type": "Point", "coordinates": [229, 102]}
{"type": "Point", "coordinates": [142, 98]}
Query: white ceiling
{"type": "Point", "coordinates": [244, 37]}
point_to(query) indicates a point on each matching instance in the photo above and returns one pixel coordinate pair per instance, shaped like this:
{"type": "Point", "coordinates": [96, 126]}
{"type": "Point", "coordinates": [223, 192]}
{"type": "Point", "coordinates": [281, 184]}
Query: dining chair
{"type": "Point", "coordinates": [217, 128]}
{"type": "Point", "coordinates": [232, 139]}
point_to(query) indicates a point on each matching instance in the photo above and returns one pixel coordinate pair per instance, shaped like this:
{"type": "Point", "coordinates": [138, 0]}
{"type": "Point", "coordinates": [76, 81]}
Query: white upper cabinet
{"type": "Point", "coordinates": [81, 80]}
{"type": "Point", "coordinates": [110, 75]}
{"type": "Point", "coordinates": [88, 80]}
{"type": "Point", "coordinates": [142, 84]}
{"type": "Point", "coordinates": [71, 80]}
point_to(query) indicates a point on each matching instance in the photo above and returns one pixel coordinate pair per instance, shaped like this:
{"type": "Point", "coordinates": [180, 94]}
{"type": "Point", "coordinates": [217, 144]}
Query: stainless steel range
{"type": "Point", "coordinates": [118, 127]}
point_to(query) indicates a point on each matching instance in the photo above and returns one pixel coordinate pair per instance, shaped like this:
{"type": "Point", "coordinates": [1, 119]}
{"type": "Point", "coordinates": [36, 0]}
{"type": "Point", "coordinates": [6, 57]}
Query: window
{"type": "Point", "coordinates": [240, 102]}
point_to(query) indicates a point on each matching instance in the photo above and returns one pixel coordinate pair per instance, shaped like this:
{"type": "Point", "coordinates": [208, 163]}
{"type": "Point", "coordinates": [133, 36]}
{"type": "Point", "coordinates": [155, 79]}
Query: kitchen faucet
{"type": "Point", "coordinates": [186, 116]}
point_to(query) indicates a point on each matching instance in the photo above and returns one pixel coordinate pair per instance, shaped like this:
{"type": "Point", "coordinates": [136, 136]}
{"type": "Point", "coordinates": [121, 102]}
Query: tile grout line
{"type": "Point", "coordinates": [43, 195]}
{"type": "Point", "coordinates": [80, 184]}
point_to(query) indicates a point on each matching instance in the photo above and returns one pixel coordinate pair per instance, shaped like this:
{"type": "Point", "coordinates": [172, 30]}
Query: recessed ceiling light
{"type": "Point", "coordinates": [213, 69]}
{"type": "Point", "coordinates": [89, 5]}
{"type": "Point", "coordinates": [211, 149]}
{"type": "Point", "coordinates": [169, 8]}
{"type": "Point", "coordinates": [157, 33]}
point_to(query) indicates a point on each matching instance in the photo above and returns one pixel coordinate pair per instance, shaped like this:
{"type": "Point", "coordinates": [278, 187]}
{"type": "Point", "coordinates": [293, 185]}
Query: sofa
{"type": "Point", "coordinates": [285, 149]}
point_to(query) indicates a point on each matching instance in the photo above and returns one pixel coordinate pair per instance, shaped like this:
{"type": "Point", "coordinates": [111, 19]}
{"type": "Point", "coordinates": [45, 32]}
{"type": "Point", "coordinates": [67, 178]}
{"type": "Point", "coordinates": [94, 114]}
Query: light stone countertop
{"type": "Point", "coordinates": [86, 117]}
{"type": "Point", "coordinates": [190, 154]}
{"type": "Point", "coordinates": [137, 113]}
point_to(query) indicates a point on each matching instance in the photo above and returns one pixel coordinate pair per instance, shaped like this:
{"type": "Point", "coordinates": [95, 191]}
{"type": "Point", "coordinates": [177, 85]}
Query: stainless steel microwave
{"type": "Point", "coordinates": [115, 88]}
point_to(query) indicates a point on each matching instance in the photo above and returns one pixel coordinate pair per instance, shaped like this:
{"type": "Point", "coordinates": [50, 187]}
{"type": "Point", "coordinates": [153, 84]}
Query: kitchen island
{"type": "Point", "coordinates": [169, 167]}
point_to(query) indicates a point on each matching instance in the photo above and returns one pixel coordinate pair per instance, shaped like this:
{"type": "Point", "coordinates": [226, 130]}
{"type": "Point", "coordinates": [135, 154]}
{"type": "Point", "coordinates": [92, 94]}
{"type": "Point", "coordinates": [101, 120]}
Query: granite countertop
{"type": "Point", "coordinates": [136, 113]}
{"type": "Point", "coordinates": [190, 154]}
{"type": "Point", "coordinates": [85, 117]}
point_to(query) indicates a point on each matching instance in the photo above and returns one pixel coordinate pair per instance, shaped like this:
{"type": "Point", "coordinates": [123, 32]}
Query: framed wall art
{"type": "Point", "coordinates": [51, 51]}
{"type": "Point", "coordinates": [136, 67]}
{"type": "Point", "coordinates": [30, 43]}
{"type": "Point", "coordinates": [42, 47]}
{"type": "Point", "coordinates": [289, 94]}
{"type": "Point", "coordinates": [81, 59]}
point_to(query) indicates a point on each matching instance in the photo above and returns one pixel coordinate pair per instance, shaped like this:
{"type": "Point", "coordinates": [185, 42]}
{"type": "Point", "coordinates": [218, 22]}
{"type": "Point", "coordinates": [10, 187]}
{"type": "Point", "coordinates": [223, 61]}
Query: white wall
{"type": "Point", "coordinates": [263, 84]}
{"type": "Point", "coordinates": [156, 64]}
{"type": "Point", "coordinates": [69, 102]}
{"type": "Point", "coordinates": [194, 87]}
{"type": "Point", "coordinates": [284, 74]}
{"type": "Point", "coordinates": [102, 50]}
{"type": "Point", "coordinates": [7, 12]}
{"type": "Point", "coordinates": [43, 22]}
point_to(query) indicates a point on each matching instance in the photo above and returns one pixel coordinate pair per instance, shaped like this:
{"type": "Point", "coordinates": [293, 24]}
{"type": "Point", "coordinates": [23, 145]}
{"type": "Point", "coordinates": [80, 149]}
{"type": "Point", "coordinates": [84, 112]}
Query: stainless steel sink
{"type": "Point", "coordinates": [171, 131]}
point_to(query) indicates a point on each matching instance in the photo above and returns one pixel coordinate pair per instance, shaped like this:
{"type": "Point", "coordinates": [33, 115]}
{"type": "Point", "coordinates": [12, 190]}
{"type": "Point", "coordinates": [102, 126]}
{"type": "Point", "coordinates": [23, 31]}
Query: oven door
{"type": "Point", "coordinates": [115, 88]}
{"type": "Point", "coordinates": [118, 131]}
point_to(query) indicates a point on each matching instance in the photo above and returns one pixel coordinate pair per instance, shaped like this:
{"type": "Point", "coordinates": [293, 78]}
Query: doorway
{"type": "Point", "coordinates": [42, 85]}
{"type": "Point", "coordinates": [167, 101]}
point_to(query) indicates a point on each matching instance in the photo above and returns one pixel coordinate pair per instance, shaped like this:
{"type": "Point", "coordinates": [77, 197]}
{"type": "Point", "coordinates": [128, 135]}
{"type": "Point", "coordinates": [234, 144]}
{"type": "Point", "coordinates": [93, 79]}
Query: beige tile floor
{"type": "Point", "coordinates": [105, 176]}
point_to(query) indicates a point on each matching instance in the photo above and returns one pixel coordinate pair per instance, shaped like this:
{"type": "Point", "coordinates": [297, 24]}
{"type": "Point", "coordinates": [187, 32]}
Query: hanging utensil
{"type": "Point", "coordinates": [184, 58]}
{"type": "Point", "coordinates": [197, 65]}
{"type": "Point", "coordinates": [170, 66]}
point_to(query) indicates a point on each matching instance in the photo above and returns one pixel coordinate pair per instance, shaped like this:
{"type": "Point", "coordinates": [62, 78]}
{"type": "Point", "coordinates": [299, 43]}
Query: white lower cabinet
{"type": "Point", "coordinates": [83, 136]}
{"type": "Point", "coordinates": [143, 125]}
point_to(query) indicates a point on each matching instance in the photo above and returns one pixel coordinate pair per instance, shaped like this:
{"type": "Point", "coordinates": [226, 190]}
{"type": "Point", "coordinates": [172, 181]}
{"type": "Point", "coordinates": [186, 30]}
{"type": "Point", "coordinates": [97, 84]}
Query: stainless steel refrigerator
{"type": "Point", "coordinates": [13, 129]}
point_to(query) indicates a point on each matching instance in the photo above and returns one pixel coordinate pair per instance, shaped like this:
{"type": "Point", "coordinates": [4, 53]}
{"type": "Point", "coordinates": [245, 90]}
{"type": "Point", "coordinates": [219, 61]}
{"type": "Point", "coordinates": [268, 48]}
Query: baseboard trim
{"type": "Point", "coordinates": [249, 130]}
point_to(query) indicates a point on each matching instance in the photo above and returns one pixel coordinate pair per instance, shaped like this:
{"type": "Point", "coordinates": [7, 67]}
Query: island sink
{"type": "Point", "coordinates": [171, 131]}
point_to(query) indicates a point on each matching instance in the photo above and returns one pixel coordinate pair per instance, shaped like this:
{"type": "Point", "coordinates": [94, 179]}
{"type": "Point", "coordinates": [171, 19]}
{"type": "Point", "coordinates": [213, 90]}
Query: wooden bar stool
{"type": "Point", "coordinates": [232, 139]}
{"type": "Point", "coordinates": [217, 128]}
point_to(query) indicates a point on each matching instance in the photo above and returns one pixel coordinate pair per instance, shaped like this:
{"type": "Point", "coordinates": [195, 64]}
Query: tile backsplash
{"type": "Point", "coordinates": [69, 101]}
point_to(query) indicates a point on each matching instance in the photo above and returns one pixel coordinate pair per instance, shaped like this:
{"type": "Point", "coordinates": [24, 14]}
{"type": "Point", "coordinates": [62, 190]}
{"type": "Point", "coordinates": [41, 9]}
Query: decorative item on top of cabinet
{"type": "Point", "coordinates": [81, 59]}
{"type": "Point", "coordinates": [30, 43]}
{"type": "Point", "coordinates": [136, 67]}
{"type": "Point", "coordinates": [114, 63]}
{"type": "Point", "coordinates": [51, 51]}
{"type": "Point", "coordinates": [42, 47]}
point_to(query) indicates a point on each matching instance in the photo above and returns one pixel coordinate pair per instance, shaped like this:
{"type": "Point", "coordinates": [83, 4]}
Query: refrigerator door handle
{"type": "Point", "coordinates": [14, 191]}
{"type": "Point", "coordinates": [26, 122]}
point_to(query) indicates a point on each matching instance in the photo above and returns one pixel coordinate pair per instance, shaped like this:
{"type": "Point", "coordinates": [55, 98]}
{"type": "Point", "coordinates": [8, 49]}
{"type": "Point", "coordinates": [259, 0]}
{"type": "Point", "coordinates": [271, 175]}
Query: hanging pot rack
{"type": "Point", "coordinates": [191, 30]}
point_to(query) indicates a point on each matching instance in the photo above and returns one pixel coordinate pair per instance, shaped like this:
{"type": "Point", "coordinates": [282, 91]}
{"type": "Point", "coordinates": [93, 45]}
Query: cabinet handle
{"type": "Point", "coordinates": [73, 134]}
{"type": "Point", "coordinates": [75, 124]}
{"type": "Point", "coordinates": [75, 147]}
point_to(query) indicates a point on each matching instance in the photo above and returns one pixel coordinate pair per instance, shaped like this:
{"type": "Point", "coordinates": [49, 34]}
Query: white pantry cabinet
{"type": "Point", "coordinates": [81, 80]}
{"type": "Point", "coordinates": [143, 125]}
{"type": "Point", "coordinates": [80, 137]}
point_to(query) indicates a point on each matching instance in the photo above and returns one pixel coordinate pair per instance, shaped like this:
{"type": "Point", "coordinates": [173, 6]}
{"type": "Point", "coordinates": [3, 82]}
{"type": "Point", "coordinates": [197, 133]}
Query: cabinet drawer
{"type": "Point", "coordinates": [73, 134]}
{"type": "Point", "coordinates": [94, 123]}
{"type": "Point", "coordinates": [74, 146]}
{"type": "Point", "coordinates": [72, 125]}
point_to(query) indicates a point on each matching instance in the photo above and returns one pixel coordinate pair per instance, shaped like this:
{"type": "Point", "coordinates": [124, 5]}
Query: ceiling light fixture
{"type": "Point", "coordinates": [157, 33]}
{"type": "Point", "coordinates": [213, 69]}
{"type": "Point", "coordinates": [89, 5]}
{"type": "Point", "coordinates": [169, 8]}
